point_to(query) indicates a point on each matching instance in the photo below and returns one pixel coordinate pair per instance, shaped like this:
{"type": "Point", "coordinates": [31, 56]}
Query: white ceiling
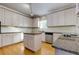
{"type": "Point", "coordinates": [45, 8]}
{"type": "Point", "coordinates": [37, 8]}
{"type": "Point", "coordinates": [21, 7]}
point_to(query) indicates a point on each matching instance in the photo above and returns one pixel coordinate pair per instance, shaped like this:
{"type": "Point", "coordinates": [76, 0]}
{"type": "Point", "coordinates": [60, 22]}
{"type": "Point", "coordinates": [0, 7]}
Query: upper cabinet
{"type": "Point", "coordinates": [70, 17]}
{"type": "Point", "coordinates": [62, 18]}
{"type": "Point", "coordinates": [77, 8]}
{"type": "Point", "coordinates": [8, 17]}
{"type": "Point", "coordinates": [11, 18]}
{"type": "Point", "coordinates": [27, 22]}
{"type": "Point", "coordinates": [2, 15]}
{"type": "Point", "coordinates": [52, 20]}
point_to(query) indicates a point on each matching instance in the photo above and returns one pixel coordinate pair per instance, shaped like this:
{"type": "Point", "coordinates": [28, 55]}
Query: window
{"type": "Point", "coordinates": [42, 22]}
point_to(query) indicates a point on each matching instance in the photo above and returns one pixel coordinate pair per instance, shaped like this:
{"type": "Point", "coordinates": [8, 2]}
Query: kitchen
{"type": "Point", "coordinates": [39, 28]}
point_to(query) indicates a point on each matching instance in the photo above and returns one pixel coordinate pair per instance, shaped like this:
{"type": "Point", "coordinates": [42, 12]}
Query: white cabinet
{"type": "Point", "coordinates": [21, 20]}
{"type": "Point", "coordinates": [29, 41]}
{"type": "Point", "coordinates": [66, 17]}
{"type": "Point", "coordinates": [17, 37]}
{"type": "Point", "coordinates": [3, 39]}
{"type": "Point", "coordinates": [7, 39]}
{"type": "Point", "coordinates": [50, 20]}
{"type": "Point", "coordinates": [60, 18]}
{"type": "Point", "coordinates": [70, 16]}
{"type": "Point", "coordinates": [25, 21]}
{"type": "Point", "coordinates": [2, 15]}
{"type": "Point", "coordinates": [32, 42]}
{"type": "Point", "coordinates": [8, 17]}
{"type": "Point", "coordinates": [15, 19]}
{"type": "Point", "coordinates": [55, 19]}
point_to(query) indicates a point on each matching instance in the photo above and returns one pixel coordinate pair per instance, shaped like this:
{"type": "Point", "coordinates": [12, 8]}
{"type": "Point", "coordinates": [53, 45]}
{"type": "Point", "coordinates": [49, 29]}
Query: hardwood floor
{"type": "Point", "coordinates": [18, 49]}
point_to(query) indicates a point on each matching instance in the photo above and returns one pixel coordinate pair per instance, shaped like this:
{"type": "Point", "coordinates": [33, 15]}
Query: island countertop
{"type": "Point", "coordinates": [62, 49]}
{"type": "Point", "coordinates": [69, 45]}
{"type": "Point", "coordinates": [33, 33]}
{"type": "Point", "coordinates": [10, 32]}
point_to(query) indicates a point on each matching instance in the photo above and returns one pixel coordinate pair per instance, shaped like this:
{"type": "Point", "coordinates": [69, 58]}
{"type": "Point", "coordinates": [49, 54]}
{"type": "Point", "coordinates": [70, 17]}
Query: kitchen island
{"type": "Point", "coordinates": [32, 41]}
{"type": "Point", "coordinates": [67, 45]}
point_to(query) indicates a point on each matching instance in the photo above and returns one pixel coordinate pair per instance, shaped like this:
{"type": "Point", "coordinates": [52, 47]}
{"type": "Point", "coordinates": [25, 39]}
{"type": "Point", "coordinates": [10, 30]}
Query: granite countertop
{"type": "Point", "coordinates": [67, 44]}
{"type": "Point", "coordinates": [74, 52]}
{"type": "Point", "coordinates": [61, 32]}
{"type": "Point", "coordinates": [10, 32]}
{"type": "Point", "coordinates": [34, 33]}
{"type": "Point", "coordinates": [21, 32]}
{"type": "Point", "coordinates": [56, 32]}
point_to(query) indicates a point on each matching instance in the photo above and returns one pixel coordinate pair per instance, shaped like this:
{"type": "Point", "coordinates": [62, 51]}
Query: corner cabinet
{"type": "Point", "coordinates": [61, 18]}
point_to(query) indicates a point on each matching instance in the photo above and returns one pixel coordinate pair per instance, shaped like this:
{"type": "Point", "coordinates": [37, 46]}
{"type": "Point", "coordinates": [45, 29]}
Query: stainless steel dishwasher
{"type": "Point", "coordinates": [48, 37]}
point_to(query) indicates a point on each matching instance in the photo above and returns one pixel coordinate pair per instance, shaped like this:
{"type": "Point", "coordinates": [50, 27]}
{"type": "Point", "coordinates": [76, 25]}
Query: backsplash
{"type": "Point", "coordinates": [14, 29]}
{"type": "Point", "coordinates": [61, 29]}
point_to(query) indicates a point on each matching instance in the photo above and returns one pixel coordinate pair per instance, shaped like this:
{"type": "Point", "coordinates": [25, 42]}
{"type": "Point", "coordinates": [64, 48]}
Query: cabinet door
{"type": "Point", "coordinates": [15, 19]}
{"type": "Point", "coordinates": [61, 18]}
{"type": "Point", "coordinates": [4, 40]}
{"type": "Point", "coordinates": [7, 39]}
{"type": "Point", "coordinates": [2, 15]}
{"type": "Point", "coordinates": [70, 17]}
{"type": "Point", "coordinates": [55, 19]}
{"type": "Point", "coordinates": [50, 20]}
{"type": "Point", "coordinates": [20, 20]}
{"type": "Point", "coordinates": [25, 21]}
{"type": "Point", "coordinates": [8, 17]}
{"type": "Point", "coordinates": [17, 37]}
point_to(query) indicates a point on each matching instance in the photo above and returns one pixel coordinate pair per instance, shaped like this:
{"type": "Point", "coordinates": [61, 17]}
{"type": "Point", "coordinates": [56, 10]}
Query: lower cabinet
{"type": "Point", "coordinates": [17, 37]}
{"type": "Point", "coordinates": [7, 39]}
